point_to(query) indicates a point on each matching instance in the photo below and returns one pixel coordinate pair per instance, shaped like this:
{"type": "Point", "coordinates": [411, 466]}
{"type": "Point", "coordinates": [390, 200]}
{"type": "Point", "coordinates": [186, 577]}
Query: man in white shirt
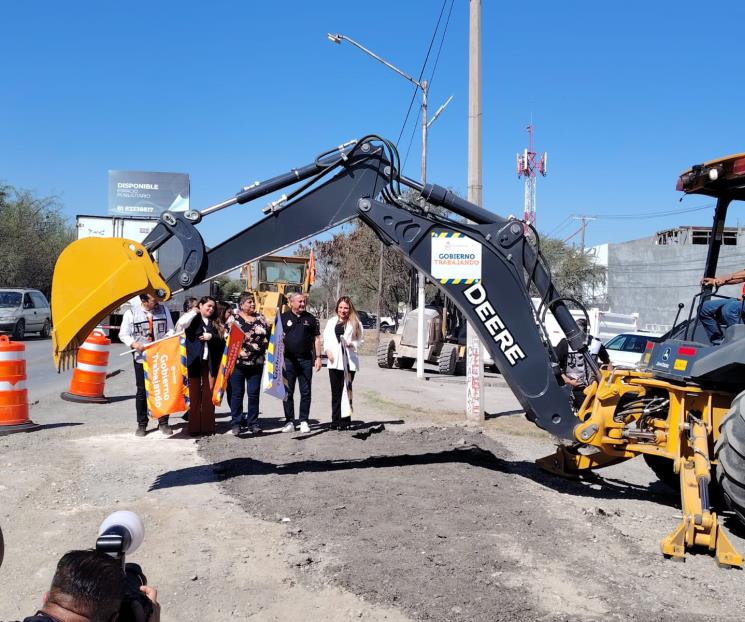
{"type": "Point", "coordinates": [142, 325]}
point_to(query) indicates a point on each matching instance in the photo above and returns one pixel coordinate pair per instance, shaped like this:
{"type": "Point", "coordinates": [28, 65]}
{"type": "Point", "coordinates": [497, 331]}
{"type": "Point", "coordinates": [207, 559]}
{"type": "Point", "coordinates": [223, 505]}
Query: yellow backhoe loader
{"type": "Point", "coordinates": [682, 410]}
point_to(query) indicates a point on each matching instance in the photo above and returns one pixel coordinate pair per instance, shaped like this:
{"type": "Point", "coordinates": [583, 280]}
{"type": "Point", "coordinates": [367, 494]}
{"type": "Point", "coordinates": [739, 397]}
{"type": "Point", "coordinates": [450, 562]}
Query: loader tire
{"type": "Point", "coordinates": [730, 455]}
{"type": "Point", "coordinates": [447, 361]}
{"type": "Point", "coordinates": [386, 354]}
{"type": "Point", "coordinates": [663, 469]}
{"type": "Point", "coordinates": [405, 362]}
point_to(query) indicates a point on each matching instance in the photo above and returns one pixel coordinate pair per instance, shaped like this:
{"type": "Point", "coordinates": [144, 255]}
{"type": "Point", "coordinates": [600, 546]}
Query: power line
{"type": "Point", "coordinates": [660, 214]}
{"type": "Point", "coordinates": [558, 227]}
{"type": "Point", "coordinates": [421, 73]}
{"type": "Point", "coordinates": [411, 140]}
{"type": "Point", "coordinates": [628, 270]}
{"type": "Point", "coordinates": [442, 40]}
{"type": "Point", "coordinates": [432, 75]}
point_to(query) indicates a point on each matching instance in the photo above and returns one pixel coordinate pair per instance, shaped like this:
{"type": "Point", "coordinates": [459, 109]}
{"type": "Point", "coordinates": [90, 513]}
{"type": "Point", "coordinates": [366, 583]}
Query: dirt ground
{"type": "Point", "coordinates": [410, 516]}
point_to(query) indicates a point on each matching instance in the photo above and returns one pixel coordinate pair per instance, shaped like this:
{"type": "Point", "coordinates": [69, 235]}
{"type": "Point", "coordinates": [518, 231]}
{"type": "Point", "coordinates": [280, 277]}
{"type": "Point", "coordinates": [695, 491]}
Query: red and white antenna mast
{"type": "Point", "coordinates": [528, 166]}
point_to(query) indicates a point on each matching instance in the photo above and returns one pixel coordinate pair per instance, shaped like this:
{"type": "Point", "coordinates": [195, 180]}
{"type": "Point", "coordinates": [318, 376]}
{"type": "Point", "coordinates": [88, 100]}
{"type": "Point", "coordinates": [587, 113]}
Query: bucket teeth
{"type": "Point", "coordinates": [68, 358]}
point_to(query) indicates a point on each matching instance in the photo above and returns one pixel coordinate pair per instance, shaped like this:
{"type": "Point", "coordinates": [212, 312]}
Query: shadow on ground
{"type": "Point", "coordinates": [590, 486]}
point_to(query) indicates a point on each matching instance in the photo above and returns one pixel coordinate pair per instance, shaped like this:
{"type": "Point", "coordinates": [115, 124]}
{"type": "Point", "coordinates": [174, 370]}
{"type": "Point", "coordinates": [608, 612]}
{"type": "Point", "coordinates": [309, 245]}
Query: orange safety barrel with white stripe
{"type": "Point", "coordinates": [13, 392]}
{"type": "Point", "coordinates": [89, 376]}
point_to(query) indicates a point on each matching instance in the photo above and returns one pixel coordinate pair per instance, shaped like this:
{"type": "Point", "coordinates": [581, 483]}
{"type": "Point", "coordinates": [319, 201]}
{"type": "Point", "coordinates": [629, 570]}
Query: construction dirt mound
{"type": "Point", "coordinates": [446, 523]}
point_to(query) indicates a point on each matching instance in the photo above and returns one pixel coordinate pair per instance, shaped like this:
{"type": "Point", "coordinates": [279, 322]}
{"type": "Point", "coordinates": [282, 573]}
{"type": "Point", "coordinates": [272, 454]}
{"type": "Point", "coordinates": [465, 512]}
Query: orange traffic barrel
{"type": "Point", "coordinates": [13, 393]}
{"type": "Point", "coordinates": [89, 376]}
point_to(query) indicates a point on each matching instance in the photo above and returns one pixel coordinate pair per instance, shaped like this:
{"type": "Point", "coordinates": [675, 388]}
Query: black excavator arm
{"type": "Point", "coordinates": [361, 180]}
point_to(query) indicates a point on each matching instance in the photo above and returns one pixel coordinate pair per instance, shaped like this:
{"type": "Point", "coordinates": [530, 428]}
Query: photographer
{"type": "Point", "coordinates": [91, 586]}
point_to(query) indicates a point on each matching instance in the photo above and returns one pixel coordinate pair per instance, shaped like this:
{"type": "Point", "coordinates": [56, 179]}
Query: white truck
{"type": "Point", "coordinates": [603, 324]}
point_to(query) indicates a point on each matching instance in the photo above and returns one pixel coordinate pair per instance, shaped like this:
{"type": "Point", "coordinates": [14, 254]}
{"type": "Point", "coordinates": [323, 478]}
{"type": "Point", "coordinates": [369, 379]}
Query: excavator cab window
{"type": "Point", "coordinates": [274, 271]}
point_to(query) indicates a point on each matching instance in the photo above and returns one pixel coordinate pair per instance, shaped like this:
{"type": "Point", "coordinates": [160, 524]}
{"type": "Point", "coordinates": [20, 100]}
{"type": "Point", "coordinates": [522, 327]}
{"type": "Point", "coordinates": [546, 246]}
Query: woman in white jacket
{"type": "Point", "coordinates": [342, 339]}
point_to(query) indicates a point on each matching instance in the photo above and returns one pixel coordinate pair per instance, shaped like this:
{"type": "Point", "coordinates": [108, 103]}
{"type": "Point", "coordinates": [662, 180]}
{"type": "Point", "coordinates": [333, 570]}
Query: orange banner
{"type": "Point", "coordinates": [229, 356]}
{"type": "Point", "coordinates": [164, 381]}
{"type": "Point", "coordinates": [311, 268]}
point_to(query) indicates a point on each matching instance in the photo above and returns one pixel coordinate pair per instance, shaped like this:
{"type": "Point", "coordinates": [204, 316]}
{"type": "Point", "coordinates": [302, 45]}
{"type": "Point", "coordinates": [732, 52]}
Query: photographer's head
{"type": "Point", "coordinates": [87, 586]}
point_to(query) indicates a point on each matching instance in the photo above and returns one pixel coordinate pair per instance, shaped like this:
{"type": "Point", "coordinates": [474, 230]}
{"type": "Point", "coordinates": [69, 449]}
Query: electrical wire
{"type": "Point", "coordinates": [647, 215]}
{"type": "Point", "coordinates": [442, 40]}
{"type": "Point", "coordinates": [432, 75]}
{"type": "Point", "coordinates": [411, 138]}
{"type": "Point", "coordinates": [559, 227]}
{"type": "Point", "coordinates": [421, 73]}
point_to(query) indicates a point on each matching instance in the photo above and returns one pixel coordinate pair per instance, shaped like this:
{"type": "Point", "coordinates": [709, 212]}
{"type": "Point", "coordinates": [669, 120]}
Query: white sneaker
{"type": "Point", "coordinates": [289, 427]}
{"type": "Point", "coordinates": [304, 427]}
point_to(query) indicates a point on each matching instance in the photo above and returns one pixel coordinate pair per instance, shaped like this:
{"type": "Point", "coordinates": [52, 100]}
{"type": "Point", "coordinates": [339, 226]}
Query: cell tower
{"type": "Point", "coordinates": [529, 167]}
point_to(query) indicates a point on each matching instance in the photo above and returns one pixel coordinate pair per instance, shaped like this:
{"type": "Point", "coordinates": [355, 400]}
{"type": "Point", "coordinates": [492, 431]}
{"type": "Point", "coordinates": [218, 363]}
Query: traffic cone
{"type": "Point", "coordinates": [13, 393]}
{"type": "Point", "coordinates": [89, 375]}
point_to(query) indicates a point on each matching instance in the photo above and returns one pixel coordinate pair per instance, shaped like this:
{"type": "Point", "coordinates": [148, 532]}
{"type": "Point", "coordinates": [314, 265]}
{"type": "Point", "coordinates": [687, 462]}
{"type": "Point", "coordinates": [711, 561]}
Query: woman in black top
{"type": "Point", "coordinates": [204, 348]}
{"type": "Point", "coordinates": [249, 366]}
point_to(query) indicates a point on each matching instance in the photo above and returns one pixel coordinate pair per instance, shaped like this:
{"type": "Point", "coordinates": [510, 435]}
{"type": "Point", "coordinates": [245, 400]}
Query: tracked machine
{"type": "Point", "coordinates": [682, 411]}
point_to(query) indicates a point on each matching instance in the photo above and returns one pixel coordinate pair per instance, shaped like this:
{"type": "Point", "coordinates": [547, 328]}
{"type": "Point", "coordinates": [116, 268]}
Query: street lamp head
{"type": "Point", "coordinates": [334, 38]}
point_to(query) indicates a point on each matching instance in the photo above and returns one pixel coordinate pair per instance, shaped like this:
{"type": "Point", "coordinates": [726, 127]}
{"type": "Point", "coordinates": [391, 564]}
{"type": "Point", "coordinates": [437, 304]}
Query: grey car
{"type": "Point", "coordinates": [24, 311]}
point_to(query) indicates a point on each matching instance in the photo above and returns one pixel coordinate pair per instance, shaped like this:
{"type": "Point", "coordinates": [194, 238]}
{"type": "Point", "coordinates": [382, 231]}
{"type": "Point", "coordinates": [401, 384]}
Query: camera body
{"type": "Point", "coordinates": [119, 534]}
{"type": "Point", "coordinates": [135, 606]}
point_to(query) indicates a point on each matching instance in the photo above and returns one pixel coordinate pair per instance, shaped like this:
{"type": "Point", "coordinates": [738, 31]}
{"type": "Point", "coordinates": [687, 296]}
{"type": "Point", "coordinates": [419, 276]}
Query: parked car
{"type": "Point", "coordinates": [367, 319]}
{"type": "Point", "coordinates": [387, 324]}
{"type": "Point", "coordinates": [24, 311]}
{"type": "Point", "coordinates": [627, 348]}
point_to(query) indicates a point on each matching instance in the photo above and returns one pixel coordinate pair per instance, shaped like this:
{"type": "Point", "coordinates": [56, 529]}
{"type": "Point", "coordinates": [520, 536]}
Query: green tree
{"type": "Point", "coordinates": [229, 289]}
{"type": "Point", "coordinates": [348, 264]}
{"type": "Point", "coordinates": [574, 273]}
{"type": "Point", "coordinates": [33, 233]}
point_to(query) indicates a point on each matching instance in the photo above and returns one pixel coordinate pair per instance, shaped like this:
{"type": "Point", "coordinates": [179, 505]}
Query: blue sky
{"type": "Point", "coordinates": [624, 97]}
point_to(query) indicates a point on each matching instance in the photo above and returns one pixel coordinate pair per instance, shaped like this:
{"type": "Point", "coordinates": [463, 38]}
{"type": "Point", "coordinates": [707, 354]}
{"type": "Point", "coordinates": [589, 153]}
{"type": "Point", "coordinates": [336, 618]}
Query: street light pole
{"type": "Point", "coordinates": [423, 86]}
{"type": "Point", "coordinates": [420, 303]}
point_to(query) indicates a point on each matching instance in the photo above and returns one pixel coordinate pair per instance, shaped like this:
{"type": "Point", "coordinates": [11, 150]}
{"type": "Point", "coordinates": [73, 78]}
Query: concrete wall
{"type": "Point", "coordinates": [652, 279]}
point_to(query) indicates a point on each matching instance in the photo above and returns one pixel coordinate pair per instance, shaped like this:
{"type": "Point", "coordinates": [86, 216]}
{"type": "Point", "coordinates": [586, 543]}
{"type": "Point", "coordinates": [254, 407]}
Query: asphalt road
{"type": "Point", "coordinates": [42, 377]}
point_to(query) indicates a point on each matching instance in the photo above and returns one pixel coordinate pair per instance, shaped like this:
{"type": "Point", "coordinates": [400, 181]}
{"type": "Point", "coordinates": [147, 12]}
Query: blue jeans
{"type": "Point", "coordinates": [714, 311]}
{"type": "Point", "coordinates": [297, 369]}
{"type": "Point", "coordinates": [245, 377]}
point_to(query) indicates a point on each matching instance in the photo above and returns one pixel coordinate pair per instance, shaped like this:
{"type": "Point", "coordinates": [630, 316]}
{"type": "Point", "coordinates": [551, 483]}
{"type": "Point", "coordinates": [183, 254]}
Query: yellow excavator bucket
{"type": "Point", "coordinates": [92, 277]}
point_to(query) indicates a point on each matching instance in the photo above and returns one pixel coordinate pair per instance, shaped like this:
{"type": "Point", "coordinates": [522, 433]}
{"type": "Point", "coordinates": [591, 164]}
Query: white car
{"type": "Point", "coordinates": [627, 349]}
{"type": "Point", "coordinates": [387, 324]}
{"type": "Point", "coordinates": [23, 311]}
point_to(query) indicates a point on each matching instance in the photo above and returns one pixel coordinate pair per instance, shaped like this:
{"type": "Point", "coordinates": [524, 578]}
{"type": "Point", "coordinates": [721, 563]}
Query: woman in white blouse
{"type": "Point", "coordinates": [342, 339]}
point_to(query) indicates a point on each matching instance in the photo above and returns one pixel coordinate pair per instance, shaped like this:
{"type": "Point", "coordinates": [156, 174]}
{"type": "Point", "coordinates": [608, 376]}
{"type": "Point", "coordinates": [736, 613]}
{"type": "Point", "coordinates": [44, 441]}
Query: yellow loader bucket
{"type": "Point", "coordinates": [92, 277]}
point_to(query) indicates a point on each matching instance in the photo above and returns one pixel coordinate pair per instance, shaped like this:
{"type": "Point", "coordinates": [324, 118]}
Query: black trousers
{"type": "Point", "coordinates": [336, 378]}
{"type": "Point", "coordinates": [298, 371]}
{"type": "Point", "coordinates": [141, 397]}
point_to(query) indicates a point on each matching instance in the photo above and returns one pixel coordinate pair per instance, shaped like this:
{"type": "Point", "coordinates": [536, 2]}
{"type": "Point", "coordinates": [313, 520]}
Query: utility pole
{"type": "Point", "coordinates": [584, 220]}
{"type": "Point", "coordinates": [420, 275]}
{"type": "Point", "coordinates": [474, 355]}
{"type": "Point", "coordinates": [380, 295]}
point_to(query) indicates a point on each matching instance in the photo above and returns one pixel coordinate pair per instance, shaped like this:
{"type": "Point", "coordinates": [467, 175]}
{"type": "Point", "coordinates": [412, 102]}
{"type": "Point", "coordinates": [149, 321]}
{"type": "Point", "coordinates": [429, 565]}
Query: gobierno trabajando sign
{"type": "Point", "coordinates": [141, 194]}
{"type": "Point", "coordinates": [456, 258]}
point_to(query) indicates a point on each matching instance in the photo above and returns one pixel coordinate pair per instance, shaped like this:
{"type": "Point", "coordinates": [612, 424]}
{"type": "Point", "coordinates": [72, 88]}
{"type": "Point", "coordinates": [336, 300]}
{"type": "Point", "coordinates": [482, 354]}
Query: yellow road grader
{"type": "Point", "coordinates": [682, 409]}
{"type": "Point", "coordinates": [272, 279]}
